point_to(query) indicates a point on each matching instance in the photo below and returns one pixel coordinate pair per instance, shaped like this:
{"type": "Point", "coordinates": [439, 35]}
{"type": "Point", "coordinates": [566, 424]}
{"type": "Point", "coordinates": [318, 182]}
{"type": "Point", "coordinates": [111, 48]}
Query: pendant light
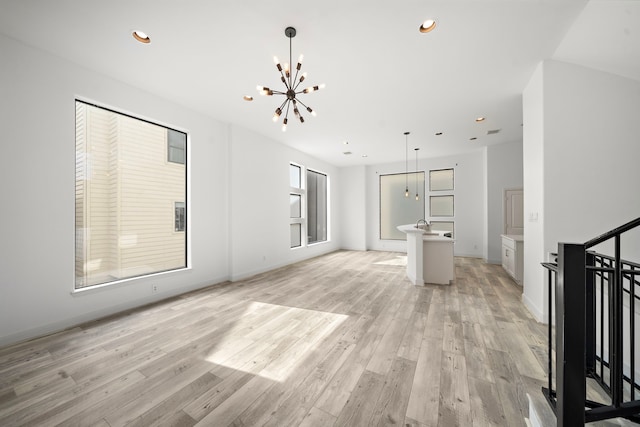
{"type": "Point", "coordinates": [417, 196]}
{"type": "Point", "coordinates": [406, 164]}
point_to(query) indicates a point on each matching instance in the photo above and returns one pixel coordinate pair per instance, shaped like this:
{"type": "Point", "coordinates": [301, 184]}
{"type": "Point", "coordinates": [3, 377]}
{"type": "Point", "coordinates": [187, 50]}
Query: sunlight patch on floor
{"type": "Point", "coordinates": [272, 340]}
{"type": "Point", "coordinates": [398, 260]}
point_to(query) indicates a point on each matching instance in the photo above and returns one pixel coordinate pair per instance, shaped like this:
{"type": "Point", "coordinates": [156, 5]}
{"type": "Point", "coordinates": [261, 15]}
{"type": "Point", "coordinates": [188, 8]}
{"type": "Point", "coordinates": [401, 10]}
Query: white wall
{"type": "Point", "coordinates": [503, 171]}
{"type": "Point", "coordinates": [37, 170]}
{"type": "Point", "coordinates": [353, 202]}
{"type": "Point", "coordinates": [259, 219]}
{"type": "Point", "coordinates": [534, 291]}
{"type": "Point", "coordinates": [469, 195]}
{"type": "Point", "coordinates": [583, 124]}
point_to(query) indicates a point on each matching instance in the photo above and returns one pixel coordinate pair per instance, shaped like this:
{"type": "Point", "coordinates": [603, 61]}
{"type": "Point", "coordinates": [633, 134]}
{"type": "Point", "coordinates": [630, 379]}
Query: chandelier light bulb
{"type": "Point", "coordinates": [417, 197]}
{"type": "Point", "coordinates": [302, 77]}
{"type": "Point", "coordinates": [406, 192]}
{"type": "Point", "coordinates": [275, 60]}
{"type": "Point", "coordinates": [322, 86]}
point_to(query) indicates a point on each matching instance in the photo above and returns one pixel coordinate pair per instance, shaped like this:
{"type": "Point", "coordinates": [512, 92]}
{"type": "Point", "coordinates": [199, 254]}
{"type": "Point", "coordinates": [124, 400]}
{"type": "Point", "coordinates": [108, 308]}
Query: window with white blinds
{"type": "Point", "coordinates": [131, 199]}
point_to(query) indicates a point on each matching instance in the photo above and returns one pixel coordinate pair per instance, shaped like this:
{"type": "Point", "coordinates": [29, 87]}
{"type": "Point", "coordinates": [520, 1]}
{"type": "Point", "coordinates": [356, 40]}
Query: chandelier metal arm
{"type": "Point", "coordinates": [302, 103]}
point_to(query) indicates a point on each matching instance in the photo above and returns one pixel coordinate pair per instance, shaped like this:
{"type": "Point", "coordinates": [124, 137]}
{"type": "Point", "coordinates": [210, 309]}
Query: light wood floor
{"type": "Point", "coordinates": [340, 340]}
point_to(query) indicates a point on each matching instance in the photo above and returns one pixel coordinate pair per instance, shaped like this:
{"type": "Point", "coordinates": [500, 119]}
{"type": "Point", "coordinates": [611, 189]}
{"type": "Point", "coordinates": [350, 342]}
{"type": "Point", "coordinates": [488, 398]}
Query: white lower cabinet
{"type": "Point", "coordinates": [513, 256]}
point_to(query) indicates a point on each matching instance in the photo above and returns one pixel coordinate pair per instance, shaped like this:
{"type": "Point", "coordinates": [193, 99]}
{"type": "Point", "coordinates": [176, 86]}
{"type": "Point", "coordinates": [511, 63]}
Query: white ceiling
{"type": "Point", "coordinates": [383, 77]}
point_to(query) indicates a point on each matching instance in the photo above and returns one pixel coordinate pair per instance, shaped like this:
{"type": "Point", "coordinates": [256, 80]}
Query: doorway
{"type": "Point", "coordinates": [514, 211]}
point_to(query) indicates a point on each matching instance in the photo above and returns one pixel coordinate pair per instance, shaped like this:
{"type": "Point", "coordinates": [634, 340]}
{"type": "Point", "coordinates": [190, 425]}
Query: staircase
{"type": "Point", "coordinates": [593, 368]}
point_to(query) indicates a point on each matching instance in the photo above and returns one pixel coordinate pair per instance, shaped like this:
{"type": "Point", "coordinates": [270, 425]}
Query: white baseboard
{"type": "Point", "coordinates": [71, 322]}
{"type": "Point", "coordinates": [539, 315]}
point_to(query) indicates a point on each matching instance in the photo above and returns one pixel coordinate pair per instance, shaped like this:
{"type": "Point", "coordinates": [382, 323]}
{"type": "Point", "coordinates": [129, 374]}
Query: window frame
{"type": "Point", "coordinates": [79, 285]}
{"type": "Point", "coordinates": [453, 179]}
{"type": "Point", "coordinates": [409, 180]}
{"type": "Point", "coordinates": [303, 192]}
{"type": "Point", "coordinates": [326, 214]}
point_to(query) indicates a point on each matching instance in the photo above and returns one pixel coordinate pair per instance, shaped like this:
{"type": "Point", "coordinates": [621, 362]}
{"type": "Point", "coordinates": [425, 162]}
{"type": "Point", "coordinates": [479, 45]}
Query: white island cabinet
{"type": "Point", "coordinates": [513, 255]}
{"type": "Point", "coordinates": [429, 256]}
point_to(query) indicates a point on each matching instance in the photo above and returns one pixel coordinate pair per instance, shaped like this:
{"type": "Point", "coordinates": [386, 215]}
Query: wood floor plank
{"type": "Point", "coordinates": [391, 405]}
{"type": "Point", "coordinates": [424, 398]}
{"type": "Point", "coordinates": [361, 404]}
{"type": "Point", "coordinates": [341, 339]}
{"type": "Point", "coordinates": [455, 404]}
{"type": "Point", "coordinates": [486, 406]}
{"type": "Point", "coordinates": [317, 417]}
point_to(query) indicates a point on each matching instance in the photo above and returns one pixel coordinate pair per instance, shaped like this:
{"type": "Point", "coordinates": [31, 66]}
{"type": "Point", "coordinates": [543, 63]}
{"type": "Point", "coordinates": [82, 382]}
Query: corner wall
{"type": "Point", "coordinates": [469, 202]}
{"type": "Point", "coordinates": [581, 172]}
{"type": "Point", "coordinates": [37, 168]}
{"type": "Point", "coordinates": [238, 183]}
{"type": "Point", "coordinates": [503, 171]}
{"type": "Point", "coordinates": [259, 203]}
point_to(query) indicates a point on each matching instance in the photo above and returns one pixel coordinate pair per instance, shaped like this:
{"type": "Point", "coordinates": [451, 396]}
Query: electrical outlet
{"type": "Point", "coordinates": [154, 289]}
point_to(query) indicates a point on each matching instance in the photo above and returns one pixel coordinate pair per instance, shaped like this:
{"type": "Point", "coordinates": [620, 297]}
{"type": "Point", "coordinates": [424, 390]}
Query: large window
{"type": "Point", "coordinates": [316, 207]}
{"type": "Point", "coordinates": [308, 206]}
{"type": "Point", "coordinates": [130, 197]}
{"type": "Point", "coordinates": [395, 207]}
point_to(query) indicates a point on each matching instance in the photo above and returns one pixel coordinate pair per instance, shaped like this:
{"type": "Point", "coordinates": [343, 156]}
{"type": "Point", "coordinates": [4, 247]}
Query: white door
{"type": "Point", "coordinates": [513, 211]}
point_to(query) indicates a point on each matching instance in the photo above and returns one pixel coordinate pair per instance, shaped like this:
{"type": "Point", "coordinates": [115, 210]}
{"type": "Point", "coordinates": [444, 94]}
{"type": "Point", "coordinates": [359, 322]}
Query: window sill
{"type": "Point", "coordinates": [123, 282]}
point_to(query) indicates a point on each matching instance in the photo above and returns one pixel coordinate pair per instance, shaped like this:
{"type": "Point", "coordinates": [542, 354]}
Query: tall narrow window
{"type": "Point", "coordinates": [316, 206]}
{"type": "Point", "coordinates": [129, 175]}
{"type": "Point", "coordinates": [295, 205]}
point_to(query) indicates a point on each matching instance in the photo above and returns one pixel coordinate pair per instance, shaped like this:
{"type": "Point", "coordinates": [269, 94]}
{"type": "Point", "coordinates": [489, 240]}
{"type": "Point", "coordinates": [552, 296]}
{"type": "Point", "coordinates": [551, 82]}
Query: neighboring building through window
{"type": "Point", "coordinates": [180, 217]}
{"type": "Point", "coordinates": [129, 175]}
{"type": "Point", "coordinates": [176, 146]}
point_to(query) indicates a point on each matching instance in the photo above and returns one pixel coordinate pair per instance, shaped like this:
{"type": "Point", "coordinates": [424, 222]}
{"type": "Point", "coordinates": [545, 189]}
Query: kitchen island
{"type": "Point", "coordinates": [429, 256]}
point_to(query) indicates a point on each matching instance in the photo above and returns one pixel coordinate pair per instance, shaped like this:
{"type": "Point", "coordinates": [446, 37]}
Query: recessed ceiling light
{"type": "Point", "coordinates": [141, 37]}
{"type": "Point", "coordinates": [473, 138]}
{"type": "Point", "coordinates": [427, 26]}
{"type": "Point", "coordinates": [365, 155]}
{"type": "Point", "coordinates": [347, 153]}
{"type": "Point", "coordinates": [248, 98]}
{"type": "Point", "coordinates": [438, 133]}
{"type": "Point", "coordinates": [480, 119]}
{"type": "Point", "coordinates": [346, 143]}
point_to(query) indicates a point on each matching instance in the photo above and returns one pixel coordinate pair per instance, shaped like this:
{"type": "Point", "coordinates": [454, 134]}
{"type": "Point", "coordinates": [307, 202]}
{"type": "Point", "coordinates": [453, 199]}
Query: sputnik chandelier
{"type": "Point", "coordinates": [291, 85]}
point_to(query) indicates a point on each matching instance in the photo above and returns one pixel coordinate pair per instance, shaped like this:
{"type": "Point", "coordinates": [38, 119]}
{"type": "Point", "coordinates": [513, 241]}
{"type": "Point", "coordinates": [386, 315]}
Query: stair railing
{"type": "Point", "coordinates": [584, 312]}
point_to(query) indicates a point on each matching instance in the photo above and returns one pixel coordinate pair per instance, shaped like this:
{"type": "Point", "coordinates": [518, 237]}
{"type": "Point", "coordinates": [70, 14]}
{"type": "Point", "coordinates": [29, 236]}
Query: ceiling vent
{"type": "Point", "coordinates": [493, 132]}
